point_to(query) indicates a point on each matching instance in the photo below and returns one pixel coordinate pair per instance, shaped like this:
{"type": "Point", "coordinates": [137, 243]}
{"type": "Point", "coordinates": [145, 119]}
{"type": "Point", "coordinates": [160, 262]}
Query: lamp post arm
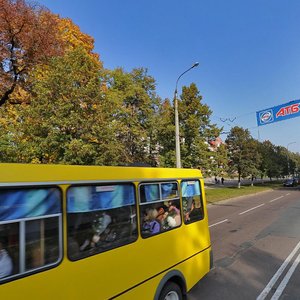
{"type": "Point", "coordinates": [193, 66]}
{"type": "Point", "coordinates": [182, 75]}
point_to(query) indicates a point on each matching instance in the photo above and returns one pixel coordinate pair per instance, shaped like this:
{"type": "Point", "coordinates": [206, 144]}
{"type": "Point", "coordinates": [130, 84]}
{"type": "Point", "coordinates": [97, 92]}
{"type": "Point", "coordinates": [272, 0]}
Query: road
{"type": "Point", "coordinates": [256, 248]}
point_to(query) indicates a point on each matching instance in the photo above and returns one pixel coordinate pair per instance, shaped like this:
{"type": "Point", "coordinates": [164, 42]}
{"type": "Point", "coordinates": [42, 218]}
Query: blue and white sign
{"type": "Point", "coordinates": [278, 113]}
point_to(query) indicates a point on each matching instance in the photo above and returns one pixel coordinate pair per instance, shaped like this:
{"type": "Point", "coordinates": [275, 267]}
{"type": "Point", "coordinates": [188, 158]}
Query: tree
{"type": "Point", "coordinates": [284, 162]}
{"type": "Point", "coordinates": [67, 121]}
{"type": "Point", "coordinates": [166, 135]}
{"type": "Point", "coordinates": [33, 44]}
{"type": "Point", "coordinates": [295, 166]}
{"type": "Point", "coordinates": [136, 115]}
{"type": "Point", "coordinates": [219, 160]}
{"type": "Point", "coordinates": [28, 36]}
{"type": "Point", "coordinates": [268, 162]}
{"type": "Point", "coordinates": [196, 129]}
{"type": "Point", "coordinates": [244, 158]}
{"type": "Point", "coordinates": [71, 37]}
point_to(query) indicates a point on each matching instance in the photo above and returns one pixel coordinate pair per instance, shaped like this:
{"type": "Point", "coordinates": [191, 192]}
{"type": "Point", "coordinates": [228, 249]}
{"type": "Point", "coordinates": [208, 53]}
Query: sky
{"type": "Point", "coordinates": [248, 52]}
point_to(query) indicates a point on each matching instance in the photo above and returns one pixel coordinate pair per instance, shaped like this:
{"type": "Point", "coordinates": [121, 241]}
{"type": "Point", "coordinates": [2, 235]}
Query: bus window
{"type": "Point", "coordinates": [100, 218]}
{"type": "Point", "coordinates": [191, 201]}
{"type": "Point", "coordinates": [159, 207]}
{"type": "Point", "coordinates": [30, 229]}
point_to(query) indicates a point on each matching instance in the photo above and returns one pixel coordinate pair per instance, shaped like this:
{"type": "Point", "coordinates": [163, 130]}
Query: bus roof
{"type": "Point", "coordinates": [26, 173]}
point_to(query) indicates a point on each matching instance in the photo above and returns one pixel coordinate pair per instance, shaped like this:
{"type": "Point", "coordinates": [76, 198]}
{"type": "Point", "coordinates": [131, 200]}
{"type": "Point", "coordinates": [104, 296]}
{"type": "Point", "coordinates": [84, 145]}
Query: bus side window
{"type": "Point", "coordinates": [30, 229]}
{"type": "Point", "coordinates": [191, 201]}
{"type": "Point", "coordinates": [100, 218]}
{"type": "Point", "coordinates": [159, 207]}
{"type": "Point", "coordinates": [42, 243]}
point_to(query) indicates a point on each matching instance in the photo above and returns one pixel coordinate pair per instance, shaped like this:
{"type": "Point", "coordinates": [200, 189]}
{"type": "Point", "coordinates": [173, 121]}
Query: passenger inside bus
{"type": "Point", "coordinates": [159, 217]}
{"type": "Point", "coordinates": [6, 265]}
{"type": "Point", "coordinates": [169, 215]}
{"type": "Point", "coordinates": [162, 211]}
{"type": "Point", "coordinates": [195, 212]}
{"type": "Point", "coordinates": [100, 224]}
{"type": "Point", "coordinates": [98, 231]}
{"type": "Point", "coordinates": [151, 224]}
{"type": "Point", "coordinates": [174, 213]}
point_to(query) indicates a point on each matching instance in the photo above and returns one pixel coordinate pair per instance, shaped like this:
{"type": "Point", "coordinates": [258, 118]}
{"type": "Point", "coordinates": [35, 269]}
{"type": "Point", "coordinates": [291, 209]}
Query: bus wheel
{"type": "Point", "coordinates": [171, 291]}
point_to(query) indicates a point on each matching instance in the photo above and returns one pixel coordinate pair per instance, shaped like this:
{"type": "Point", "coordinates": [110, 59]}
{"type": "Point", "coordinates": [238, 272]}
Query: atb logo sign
{"type": "Point", "coordinates": [266, 117]}
{"type": "Point", "coordinates": [278, 113]}
{"type": "Point", "coordinates": [288, 110]}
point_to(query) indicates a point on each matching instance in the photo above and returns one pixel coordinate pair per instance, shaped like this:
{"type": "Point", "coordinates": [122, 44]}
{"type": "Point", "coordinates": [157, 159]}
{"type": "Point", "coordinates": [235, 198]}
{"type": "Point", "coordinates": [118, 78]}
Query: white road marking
{"type": "Point", "coordinates": [286, 279]}
{"type": "Point", "coordinates": [218, 223]}
{"type": "Point", "coordinates": [273, 280]}
{"type": "Point", "coordinates": [276, 199]}
{"type": "Point", "coordinates": [251, 209]}
{"type": "Point", "coordinates": [287, 194]}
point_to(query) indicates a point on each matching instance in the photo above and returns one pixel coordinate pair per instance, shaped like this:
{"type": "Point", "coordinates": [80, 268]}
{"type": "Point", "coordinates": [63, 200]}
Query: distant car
{"type": "Point", "coordinates": [291, 182]}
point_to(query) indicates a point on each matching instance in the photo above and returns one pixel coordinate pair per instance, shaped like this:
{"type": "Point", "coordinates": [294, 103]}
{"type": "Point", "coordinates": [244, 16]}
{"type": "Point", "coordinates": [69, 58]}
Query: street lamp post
{"type": "Point", "coordinates": [177, 141]}
{"type": "Point", "coordinates": [288, 162]}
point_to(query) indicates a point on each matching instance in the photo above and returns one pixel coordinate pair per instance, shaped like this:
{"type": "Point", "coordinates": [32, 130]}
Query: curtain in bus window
{"type": "Point", "coordinates": [83, 199]}
{"type": "Point", "coordinates": [18, 204]}
{"type": "Point", "coordinates": [80, 199]}
{"type": "Point", "coordinates": [113, 196]}
{"type": "Point", "coordinates": [169, 190]}
{"type": "Point", "coordinates": [151, 192]}
{"type": "Point", "coordinates": [190, 188]}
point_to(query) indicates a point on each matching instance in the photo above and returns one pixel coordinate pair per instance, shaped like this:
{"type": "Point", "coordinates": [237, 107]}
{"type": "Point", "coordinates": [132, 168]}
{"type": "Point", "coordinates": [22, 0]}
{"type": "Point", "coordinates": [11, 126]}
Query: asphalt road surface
{"type": "Point", "coordinates": [256, 246]}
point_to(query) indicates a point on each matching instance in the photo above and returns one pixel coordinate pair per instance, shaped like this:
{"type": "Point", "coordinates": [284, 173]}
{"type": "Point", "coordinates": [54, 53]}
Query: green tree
{"type": "Point", "coordinates": [219, 161]}
{"type": "Point", "coordinates": [244, 158]}
{"type": "Point", "coordinates": [166, 135]}
{"type": "Point", "coordinates": [284, 163]}
{"type": "Point", "coordinates": [268, 165]}
{"type": "Point", "coordinates": [196, 129]}
{"type": "Point", "coordinates": [137, 114]}
{"type": "Point", "coordinates": [296, 163]}
{"type": "Point", "coordinates": [64, 122]}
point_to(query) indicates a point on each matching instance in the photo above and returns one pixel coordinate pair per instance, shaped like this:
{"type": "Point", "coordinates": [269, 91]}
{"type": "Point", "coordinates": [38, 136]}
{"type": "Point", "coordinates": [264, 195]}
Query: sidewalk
{"type": "Point", "coordinates": [210, 182]}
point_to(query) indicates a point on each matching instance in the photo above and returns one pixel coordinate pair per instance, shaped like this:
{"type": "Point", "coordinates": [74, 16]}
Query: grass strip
{"type": "Point", "coordinates": [218, 194]}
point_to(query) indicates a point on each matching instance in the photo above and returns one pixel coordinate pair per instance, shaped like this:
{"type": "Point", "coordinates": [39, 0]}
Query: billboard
{"type": "Point", "coordinates": [278, 113]}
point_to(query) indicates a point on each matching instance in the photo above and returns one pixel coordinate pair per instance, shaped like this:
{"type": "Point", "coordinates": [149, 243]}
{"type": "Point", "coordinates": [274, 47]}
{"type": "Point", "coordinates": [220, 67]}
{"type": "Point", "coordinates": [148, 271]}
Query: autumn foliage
{"type": "Point", "coordinates": [27, 38]}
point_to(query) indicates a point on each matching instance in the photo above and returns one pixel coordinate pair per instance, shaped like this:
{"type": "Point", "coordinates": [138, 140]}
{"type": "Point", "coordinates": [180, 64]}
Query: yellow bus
{"type": "Point", "coordinates": [91, 232]}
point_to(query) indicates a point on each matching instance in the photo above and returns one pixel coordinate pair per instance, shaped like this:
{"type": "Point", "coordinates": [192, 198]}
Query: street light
{"type": "Point", "coordinates": [288, 162]}
{"type": "Point", "coordinates": [177, 142]}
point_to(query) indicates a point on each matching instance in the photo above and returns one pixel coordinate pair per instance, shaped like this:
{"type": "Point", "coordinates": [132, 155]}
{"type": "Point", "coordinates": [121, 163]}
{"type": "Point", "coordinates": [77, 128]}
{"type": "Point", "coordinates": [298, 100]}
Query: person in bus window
{"type": "Point", "coordinates": [173, 217]}
{"type": "Point", "coordinates": [162, 215]}
{"type": "Point", "coordinates": [6, 265]}
{"type": "Point", "coordinates": [100, 224]}
{"type": "Point", "coordinates": [151, 224]}
{"type": "Point", "coordinates": [194, 213]}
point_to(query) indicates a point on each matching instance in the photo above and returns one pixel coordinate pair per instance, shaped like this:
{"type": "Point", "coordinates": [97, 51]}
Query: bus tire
{"type": "Point", "coordinates": [171, 291]}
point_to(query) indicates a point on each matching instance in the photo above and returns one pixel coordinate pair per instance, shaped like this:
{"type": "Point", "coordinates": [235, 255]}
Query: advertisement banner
{"type": "Point", "coordinates": [278, 113]}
